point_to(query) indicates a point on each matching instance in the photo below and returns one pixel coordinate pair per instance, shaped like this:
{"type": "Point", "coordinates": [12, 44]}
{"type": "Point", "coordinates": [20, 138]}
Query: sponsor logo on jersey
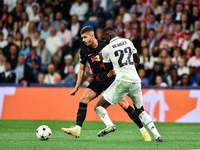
{"type": "Point", "coordinates": [95, 58]}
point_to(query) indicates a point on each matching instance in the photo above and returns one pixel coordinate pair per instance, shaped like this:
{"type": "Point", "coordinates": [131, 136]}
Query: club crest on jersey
{"type": "Point", "coordinates": [95, 58]}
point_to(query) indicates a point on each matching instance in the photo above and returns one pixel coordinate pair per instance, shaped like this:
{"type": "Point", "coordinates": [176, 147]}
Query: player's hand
{"type": "Point", "coordinates": [111, 73]}
{"type": "Point", "coordinates": [73, 92]}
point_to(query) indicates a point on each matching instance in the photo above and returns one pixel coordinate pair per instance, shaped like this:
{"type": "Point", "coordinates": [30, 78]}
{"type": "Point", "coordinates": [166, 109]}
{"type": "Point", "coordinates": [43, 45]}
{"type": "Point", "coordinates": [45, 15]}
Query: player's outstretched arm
{"type": "Point", "coordinates": [136, 58]}
{"type": "Point", "coordinates": [79, 78]}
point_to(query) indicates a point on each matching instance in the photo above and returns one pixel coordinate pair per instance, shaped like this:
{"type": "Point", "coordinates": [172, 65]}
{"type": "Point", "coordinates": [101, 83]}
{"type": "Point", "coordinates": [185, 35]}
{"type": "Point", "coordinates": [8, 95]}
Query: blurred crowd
{"type": "Point", "coordinates": [40, 39]}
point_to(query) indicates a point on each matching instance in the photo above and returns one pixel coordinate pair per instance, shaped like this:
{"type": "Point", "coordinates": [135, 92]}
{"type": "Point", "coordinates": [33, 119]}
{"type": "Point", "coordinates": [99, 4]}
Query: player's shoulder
{"type": "Point", "coordinates": [101, 43]}
{"type": "Point", "coordinates": [83, 49]}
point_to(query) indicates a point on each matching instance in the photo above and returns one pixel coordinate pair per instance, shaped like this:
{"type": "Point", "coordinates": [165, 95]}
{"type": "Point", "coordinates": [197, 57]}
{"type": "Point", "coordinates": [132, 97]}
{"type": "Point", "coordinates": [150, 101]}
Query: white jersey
{"type": "Point", "coordinates": [120, 52]}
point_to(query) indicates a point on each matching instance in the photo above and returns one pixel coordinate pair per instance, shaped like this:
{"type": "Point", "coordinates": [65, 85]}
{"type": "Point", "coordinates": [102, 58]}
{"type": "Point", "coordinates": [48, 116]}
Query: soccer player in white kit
{"type": "Point", "coordinates": [122, 54]}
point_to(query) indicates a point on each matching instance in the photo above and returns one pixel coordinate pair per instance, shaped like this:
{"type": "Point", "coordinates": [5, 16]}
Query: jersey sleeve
{"type": "Point", "coordinates": [82, 56]}
{"type": "Point", "coordinates": [105, 56]}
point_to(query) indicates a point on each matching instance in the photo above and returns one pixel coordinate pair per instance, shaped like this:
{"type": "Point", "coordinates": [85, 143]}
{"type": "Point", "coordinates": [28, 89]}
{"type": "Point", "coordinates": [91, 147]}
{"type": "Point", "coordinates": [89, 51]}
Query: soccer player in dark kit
{"type": "Point", "coordinates": [101, 81]}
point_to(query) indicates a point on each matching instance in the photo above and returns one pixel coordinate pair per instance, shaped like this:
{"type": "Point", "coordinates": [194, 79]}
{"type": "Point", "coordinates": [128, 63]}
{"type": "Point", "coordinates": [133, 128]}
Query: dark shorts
{"type": "Point", "coordinates": [100, 86]}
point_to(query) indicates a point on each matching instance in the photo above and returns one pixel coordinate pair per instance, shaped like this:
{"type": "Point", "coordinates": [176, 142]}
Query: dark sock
{"type": "Point", "coordinates": [82, 110]}
{"type": "Point", "coordinates": [134, 116]}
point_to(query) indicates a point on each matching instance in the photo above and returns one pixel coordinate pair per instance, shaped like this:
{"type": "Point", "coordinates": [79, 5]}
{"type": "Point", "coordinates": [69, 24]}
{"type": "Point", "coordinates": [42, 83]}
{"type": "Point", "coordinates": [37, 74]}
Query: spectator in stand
{"type": "Point", "coordinates": [2, 63]}
{"type": "Point", "coordinates": [17, 12]}
{"type": "Point", "coordinates": [134, 39]}
{"type": "Point", "coordinates": [34, 61]}
{"type": "Point", "coordinates": [151, 40]}
{"type": "Point", "coordinates": [193, 75]}
{"type": "Point", "coordinates": [10, 3]}
{"type": "Point", "coordinates": [173, 78]}
{"type": "Point", "coordinates": [178, 31]}
{"type": "Point", "coordinates": [58, 19]}
{"type": "Point", "coordinates": [31, 30]}
{"type": "Point", "coordinates": [3, 30]}
{"type": "Point", "coordinates": [183, 69]}
{"type": "Point", "coordinates": [64, 7]}
{"type": "Point", "coordinates": [119, 24]}
{"type": "Point", "coordinates": [197, 41]}
{"type": "Point", "coordinates": [185, 23]}
{"type": "Point", "coordinates": [196, 28]}
{"type": "Point", "coordinates": [45, 32]}
{"type": "Point", "coordinates": [44, 54]}
{"type": "Point", "coordinates": [35, 39]}
{"type": "Point", "coordinates": [54, 45]}
{"type": "Point", "coordinates": [167, 66]}
{"type": "Point", "coordinates": [6, 49]}
{"type": "Point", "coordinates": [176, 57]}
{"type": "Point", "coordinates": [163, 55]}
{"type": "Point", "coordinates": [179, 10]}
{"type": "Point", "coordinates": [29, 9]}
{"type": "Point", "coordinates": [189, 53]}
{"type": "Point", "coordinates": [15, 28]}
{"type": "Point", "coordinates": [159, 81]}
{"type": "Point", "coordinates": [188, 7]}
{"type": "Point", "coordinates": [49, 78]}
{"type": "Point", "coordinates": [139, 8]}
{"type": "Point", "coordinates": [184, 42]}
{"type": "Point", "coordinates": [195, 60]}
{"type": "Point", "coordinates": [57, 79]}
{"type": "Point", "coordinates": [107, 6]}
{"type": "Point", "coordinates": [168, 41]}
{"type": "Point", "coordinates": [155, 7]}
{"type": "Point", "coordinates": [24, 24]}
{"type": "Point", "coordinates": [152, 24]}
{"type": "Point", "coordinates": [143, 32]}
{"type": "Point", "coordinates": [49, 13]}
{"type": "Point", "coordinates": [146, 17]}
{"type": "Point", "coordinates": [39, 23]}
{"type": "Point", "coordinates": [161, 17]}
{"type": "Point", "coordinates": [98, 33]}
{"type": "Point", "coordinates": [126, 17]}
{"type": "Point", "coordinates": [75, 26]}
{"type": "Point", "coordinates": [110, 23]}
{"type": "Point", "coordinates": [10, 24]}
{"type": "Point", "coordinates": [80, 9]}
{"type": "Point", "coordinates": [23, 71]}
{"type": "Point", "coordinates": [4, 15]}
{"type": "Point", "coordinates": [198, 80]}
{"type": "Point", "coordinates": [95, 15]}
{"type": "Point", "coordinates": [185, 80]}
{"type": "Point", "coordinates": [34, 17]}
{"type": "Point", "coordinates": [70, 79]}
{"type": "Point", "coordinates": [26, 48]}
{"type": "Point", "coordinates": [8, 76]}
{"type": "Point", "coordinates": [147, 60]}
{"type": "Point", "coordinates": [65, 68]}
{"type": "Point", "coordinates": [195, 14]}
{"type": "Point", "coordinates": [159, 34]}
{"type": "Point", "coordinates": [142, 75]}
{"type": "Point", "coordinates": [66, 37]}
{"type": "Point", "coordinates": [168, 24]}
{"type": "Point", "coordinates": [40, 78]}
{"type": "Point", "coordinates": [3, 43]}
{"type": "Point", "coordinates": [12, 58]}
{"type": "Point", "coordinates": [127, 30]}
{"type": "Point", "coordinates": [134, 22]}
{"type": "Point", "coordinates": [19, 40]}
{"type": "Point", "coordinates": [171, 9]}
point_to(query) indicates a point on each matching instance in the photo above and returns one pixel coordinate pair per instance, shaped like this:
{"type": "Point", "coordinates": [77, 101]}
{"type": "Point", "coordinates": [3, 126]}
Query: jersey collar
{"type": "Point", "coordinates": [113, 39]}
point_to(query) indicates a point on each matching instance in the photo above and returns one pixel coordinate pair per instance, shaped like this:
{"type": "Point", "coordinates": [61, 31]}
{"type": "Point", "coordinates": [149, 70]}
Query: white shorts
{"type": "Point", "coordinates": [119, 89]}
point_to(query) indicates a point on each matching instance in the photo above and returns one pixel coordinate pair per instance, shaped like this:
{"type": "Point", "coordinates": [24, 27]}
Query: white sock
{"type": "Point", "coordinates": [101, 111]}
{"type": "Point", "coordinates": [78, 128]}
{"type": "Point", "coordinates": [142, 129]}
{"type": "Point", "coordinates": [149, 123]}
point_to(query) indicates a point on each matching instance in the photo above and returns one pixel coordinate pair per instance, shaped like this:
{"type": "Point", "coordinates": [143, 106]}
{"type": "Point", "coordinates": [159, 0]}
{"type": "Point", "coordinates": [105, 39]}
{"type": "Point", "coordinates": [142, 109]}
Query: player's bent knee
{"type": "Point", "coordinates": [124, 104]}
{"type": "Point", "coordinates": [84, 99]}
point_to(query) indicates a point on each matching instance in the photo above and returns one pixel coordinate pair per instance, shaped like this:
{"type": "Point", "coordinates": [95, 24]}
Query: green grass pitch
{"type": "Point", "coordinates": [20, 135]}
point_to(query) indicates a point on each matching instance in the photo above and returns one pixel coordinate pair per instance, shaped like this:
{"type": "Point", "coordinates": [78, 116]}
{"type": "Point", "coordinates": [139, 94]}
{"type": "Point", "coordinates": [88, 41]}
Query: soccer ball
{"type": "Point", "coordinates": [43, 132]}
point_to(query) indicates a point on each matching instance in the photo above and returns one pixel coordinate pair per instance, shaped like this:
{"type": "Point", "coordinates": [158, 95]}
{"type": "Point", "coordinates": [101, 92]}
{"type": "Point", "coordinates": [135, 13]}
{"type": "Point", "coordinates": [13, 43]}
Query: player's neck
{"type": "Point", "coordinates": [94, 44]}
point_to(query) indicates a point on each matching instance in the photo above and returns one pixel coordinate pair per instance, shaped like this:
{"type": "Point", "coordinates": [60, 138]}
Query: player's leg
{"type": "Point", "coordinates": [88, 96]}
{"type": "Point", "coordinates": [100, 109]}
{"type": "Point", "coordinates": [134, 116]}
{"type": "Point", "coordinates": [112, 95]}
{"type": "Point", "coordinates": [136, 96]}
